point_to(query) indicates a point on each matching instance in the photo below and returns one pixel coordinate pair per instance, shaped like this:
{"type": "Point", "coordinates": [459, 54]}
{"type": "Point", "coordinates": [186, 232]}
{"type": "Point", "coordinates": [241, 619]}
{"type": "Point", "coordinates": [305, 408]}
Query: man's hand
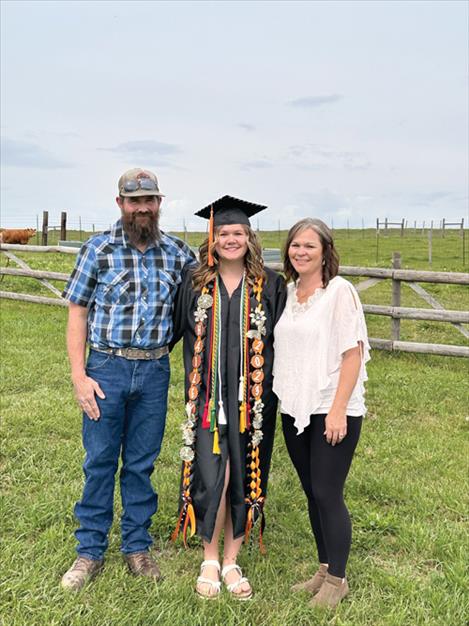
{"type": "Point", "coordinates": [85, 390]}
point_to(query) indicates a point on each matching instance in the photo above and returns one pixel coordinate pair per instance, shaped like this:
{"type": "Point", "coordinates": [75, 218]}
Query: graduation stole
{"type": "Point", "coordinates": [252, 328]}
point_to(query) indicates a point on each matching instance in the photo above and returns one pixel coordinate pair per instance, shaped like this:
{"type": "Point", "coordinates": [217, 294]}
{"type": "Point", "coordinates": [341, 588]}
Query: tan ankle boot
{"type": "Point", "coordinates": [313, 585]}
{"type": "Point", "coordinates": [332, 591]}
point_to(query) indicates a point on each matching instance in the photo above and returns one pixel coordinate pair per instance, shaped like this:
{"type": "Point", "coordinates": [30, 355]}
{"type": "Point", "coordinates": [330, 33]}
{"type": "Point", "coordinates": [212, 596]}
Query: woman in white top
{"type": "Point", "coordinates": [321, 348]}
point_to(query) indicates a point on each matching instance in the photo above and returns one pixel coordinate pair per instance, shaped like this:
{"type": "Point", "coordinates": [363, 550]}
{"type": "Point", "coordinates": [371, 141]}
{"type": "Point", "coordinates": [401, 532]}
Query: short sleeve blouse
{"type": "Point", "coordinates": [310, 340]}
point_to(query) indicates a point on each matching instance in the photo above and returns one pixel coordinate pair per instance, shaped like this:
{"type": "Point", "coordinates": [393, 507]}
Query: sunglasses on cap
{"type": "Point", "coordinates": [147, 184]}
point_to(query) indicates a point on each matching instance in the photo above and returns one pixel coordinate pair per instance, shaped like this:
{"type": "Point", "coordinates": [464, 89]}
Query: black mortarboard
{"type": "Point", "coordinates": [229, 210]}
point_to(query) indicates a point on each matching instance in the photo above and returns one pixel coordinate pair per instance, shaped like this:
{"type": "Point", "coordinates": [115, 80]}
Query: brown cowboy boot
{"type": "Point", "coordinates": [142, 564]}
{"type": "Point", "coordinates": [313, 585]}
{"type": "Point", "coordinates": [332, 591]}
{"type": "Point", "coordinates": [82, 570]}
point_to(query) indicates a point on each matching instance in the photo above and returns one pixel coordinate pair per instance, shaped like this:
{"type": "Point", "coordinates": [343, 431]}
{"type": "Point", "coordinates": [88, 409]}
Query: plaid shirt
{"type": "Point", "coordinates": [129, 294]}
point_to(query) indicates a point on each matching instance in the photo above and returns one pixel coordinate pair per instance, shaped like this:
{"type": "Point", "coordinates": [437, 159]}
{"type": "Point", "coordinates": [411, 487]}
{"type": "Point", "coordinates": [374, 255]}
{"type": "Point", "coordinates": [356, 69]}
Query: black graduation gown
{"type": "Point", "coordinates": [209, 468]}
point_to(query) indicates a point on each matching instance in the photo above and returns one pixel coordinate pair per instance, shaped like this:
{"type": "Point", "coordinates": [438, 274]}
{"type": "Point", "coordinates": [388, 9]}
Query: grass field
{"type": "Point", "coordinates": [407, 491]}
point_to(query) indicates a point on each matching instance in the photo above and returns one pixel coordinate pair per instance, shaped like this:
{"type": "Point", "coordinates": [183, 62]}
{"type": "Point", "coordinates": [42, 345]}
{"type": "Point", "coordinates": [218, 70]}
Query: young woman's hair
{"type": "Point", "coordinates": [330, 258]}
{"type": "Point", "coordinates": [253, 261]}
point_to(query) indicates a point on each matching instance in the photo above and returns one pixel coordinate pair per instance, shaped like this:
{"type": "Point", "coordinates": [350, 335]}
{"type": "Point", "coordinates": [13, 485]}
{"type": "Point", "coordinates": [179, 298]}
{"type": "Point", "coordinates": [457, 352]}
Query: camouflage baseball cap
{"type": "Point", "coordinates": [138, 182]}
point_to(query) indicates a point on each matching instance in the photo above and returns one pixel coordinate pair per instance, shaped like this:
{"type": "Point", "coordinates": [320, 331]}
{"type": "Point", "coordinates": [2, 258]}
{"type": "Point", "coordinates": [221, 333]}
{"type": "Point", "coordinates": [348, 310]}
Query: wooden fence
{"type": "Point", "coordinates": [373, 275]}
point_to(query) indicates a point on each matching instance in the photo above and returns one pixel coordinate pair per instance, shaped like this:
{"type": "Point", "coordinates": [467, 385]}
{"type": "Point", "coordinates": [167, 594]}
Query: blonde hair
{"type": "Point", "coordinates": [330, 257]}
{"type": "Point", "coordinates": [253, 261]}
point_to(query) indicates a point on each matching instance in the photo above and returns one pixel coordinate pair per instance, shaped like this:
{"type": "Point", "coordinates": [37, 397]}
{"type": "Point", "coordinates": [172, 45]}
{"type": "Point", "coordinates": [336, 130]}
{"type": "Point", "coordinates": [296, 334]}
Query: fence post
{"type": "Point", "coordinates": [462, 227]}
{"type": "Point", "coordinates": [396, 297]}
{"type": "Point", "coordinates": [430, 234]}
{"type": "Point", "coordinates": [402, 228]}
{"type": "Point", "coordinates": [443, 228]}
{"type": "Point", "coordinates": [385, 225]}
{"type": "Point", "coordinates": [63, 226]}
{"type": "Point", "coordinates": [463, 247]}
{"type": "Point", "coordinates": [45, 227]}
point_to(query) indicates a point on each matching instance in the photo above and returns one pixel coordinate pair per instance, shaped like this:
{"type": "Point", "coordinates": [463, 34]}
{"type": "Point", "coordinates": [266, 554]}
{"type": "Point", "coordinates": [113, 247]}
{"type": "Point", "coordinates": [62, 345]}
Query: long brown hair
{"type": "Point", "coordinates": [253, 261]}
{"type": "Point", "coordinates": [330, 258]}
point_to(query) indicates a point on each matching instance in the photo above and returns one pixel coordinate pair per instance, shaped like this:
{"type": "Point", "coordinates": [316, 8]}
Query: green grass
{"type": "Point", "coordinates": [406, 495]}
{"type": "Point", "coordinates": [407, 492]}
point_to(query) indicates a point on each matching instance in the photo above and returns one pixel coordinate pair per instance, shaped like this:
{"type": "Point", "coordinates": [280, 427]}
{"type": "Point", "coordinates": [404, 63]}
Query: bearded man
{"type": "Point", "coordinates": [121, 296]}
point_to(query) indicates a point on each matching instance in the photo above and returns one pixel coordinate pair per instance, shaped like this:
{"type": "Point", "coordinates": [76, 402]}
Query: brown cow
{"type": "Point", "coordinates": [17, 235]}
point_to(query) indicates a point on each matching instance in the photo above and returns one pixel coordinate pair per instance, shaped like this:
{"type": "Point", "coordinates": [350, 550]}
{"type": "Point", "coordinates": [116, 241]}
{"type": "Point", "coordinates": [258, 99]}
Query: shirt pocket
{"type": "Point", "coordinates": [167, 281]}
{"type": "Point", "coordinates": [116, 287]}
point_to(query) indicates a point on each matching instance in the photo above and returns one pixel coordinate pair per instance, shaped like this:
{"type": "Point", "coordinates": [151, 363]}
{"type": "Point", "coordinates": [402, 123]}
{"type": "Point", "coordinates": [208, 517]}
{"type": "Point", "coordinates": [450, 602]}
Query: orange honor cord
{"type": "Point", "coordinates": [254, 499]}
{"type": "Point", "coordinates": [210, 238]}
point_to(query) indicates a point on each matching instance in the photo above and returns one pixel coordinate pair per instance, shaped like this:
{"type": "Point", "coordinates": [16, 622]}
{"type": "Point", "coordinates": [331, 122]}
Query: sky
{"type": "Point", "coordinates": [346, 111]}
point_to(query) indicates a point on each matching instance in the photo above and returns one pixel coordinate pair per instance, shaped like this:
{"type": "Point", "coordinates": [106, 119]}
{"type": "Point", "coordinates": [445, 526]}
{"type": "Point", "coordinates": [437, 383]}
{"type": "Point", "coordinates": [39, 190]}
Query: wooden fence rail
{"type": "Point", "coordinates": [373, 274]}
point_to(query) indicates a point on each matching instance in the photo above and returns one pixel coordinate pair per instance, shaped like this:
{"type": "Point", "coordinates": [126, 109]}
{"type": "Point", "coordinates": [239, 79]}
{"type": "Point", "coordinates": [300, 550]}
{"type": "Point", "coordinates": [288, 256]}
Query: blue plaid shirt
{"type": "Point", "coordinates": [129, 294]}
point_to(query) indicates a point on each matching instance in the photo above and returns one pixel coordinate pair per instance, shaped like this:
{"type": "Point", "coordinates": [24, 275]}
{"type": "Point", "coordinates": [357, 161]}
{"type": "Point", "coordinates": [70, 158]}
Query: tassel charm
{"type": "Point", "coordinates": [241, 389]}
{"type": "Point", "coordinates": [216, 446]}
{"type": "Point", "coordinates": [210, 259]}
{"type": "Point", "coordinates": [242, 418]}
{"type": "Point", "coordinates": [221, 413]}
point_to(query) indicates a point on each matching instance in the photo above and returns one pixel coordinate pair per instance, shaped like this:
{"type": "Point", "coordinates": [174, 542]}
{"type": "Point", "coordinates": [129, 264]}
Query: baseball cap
{"type": "Point", "coordinates": [138, 182]}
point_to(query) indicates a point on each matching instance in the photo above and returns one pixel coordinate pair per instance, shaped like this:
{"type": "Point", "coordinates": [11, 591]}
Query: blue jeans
{"type": "Point", "coordinates": [131, 425]}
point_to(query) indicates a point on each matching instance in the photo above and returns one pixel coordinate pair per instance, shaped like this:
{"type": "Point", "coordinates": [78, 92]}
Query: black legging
{"type": "Point", "coordinates": [322, 469]}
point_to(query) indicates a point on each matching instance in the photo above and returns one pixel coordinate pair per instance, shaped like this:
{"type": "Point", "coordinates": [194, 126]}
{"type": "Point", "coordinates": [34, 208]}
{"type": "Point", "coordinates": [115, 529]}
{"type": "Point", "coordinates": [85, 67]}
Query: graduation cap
{"type": "Point", "coordinates": [228, 210]}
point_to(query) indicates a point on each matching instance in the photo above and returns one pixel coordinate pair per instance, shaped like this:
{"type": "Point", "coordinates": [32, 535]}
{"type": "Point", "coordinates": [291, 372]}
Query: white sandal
{"type": "Point", "coordinates": [242, 595]}
{"type": "Point", "coordinates": [214, 585]}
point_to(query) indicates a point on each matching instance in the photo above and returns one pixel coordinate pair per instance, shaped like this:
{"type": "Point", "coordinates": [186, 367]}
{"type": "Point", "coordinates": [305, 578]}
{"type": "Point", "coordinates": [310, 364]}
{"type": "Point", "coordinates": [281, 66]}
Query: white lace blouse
{"type": "Point", "coordinates": [310, 340]}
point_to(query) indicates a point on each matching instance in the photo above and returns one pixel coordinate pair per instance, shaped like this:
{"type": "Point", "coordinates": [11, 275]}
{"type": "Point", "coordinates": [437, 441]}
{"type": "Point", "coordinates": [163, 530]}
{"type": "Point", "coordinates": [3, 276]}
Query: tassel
{"type": "Point", "coordinates": [247, 531]}
{"type": "Point", "coordinates": [213, 416]}
{"type": "Point", "coordinates": [242, 418]}
{"type": "Point", "coordinates": [178, 525]}
{"type": "Point", "coordinates": [241, 389]}
{"type": "Point", "coordinates": [221, 413]}
{"type": "Point", "coordinates": [191, 515]}
{"type": "Point", "coordinates": [184, 531]}
{"type": "Point", "coordinates": [205, 420]}
{"type": "Point", "coordinates": [210, 239]}
{"type": "Point", "coordinates": [216, 447]}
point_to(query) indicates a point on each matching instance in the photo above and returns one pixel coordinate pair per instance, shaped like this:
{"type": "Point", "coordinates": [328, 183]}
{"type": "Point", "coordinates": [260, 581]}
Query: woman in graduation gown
{"type": "Point", "coordinates": [226, 310]}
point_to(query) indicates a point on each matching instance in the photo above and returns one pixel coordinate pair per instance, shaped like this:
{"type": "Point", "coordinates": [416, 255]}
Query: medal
{"type": "Point", "coordinates": [257, 346]}
{"type": "Point", "coordinates": [257, 361]}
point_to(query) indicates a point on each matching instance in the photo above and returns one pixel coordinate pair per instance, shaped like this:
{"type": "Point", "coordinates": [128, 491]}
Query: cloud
{"type": "Point", "coordinates": [153, 153]}
{"type": "Point", "coordinates": [247, 127]}
{"type": "Point", "coordinates": [311, 102]}
{"type": "Point", "coordinates": [256, 164]}
{"type": "Point", "coordinates": [146, 148]}
{"type": "Point", "coordinates": [17, 153]}
{"type": "Point", "coordinates": [323, 201]}
{"type": "Point", "coordinates": [314, 157]}
{"type": "Point", "coordinates": [422, 198]}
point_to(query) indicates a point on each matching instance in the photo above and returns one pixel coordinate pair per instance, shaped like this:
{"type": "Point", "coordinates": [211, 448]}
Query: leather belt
{"type": "Point", "coordinates": [135, 354]}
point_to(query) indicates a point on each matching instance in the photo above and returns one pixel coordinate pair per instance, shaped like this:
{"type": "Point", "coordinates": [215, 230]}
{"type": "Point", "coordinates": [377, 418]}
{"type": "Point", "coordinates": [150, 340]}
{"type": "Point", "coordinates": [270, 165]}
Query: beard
{"type": "Point", "coordinates": [142, 227]}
